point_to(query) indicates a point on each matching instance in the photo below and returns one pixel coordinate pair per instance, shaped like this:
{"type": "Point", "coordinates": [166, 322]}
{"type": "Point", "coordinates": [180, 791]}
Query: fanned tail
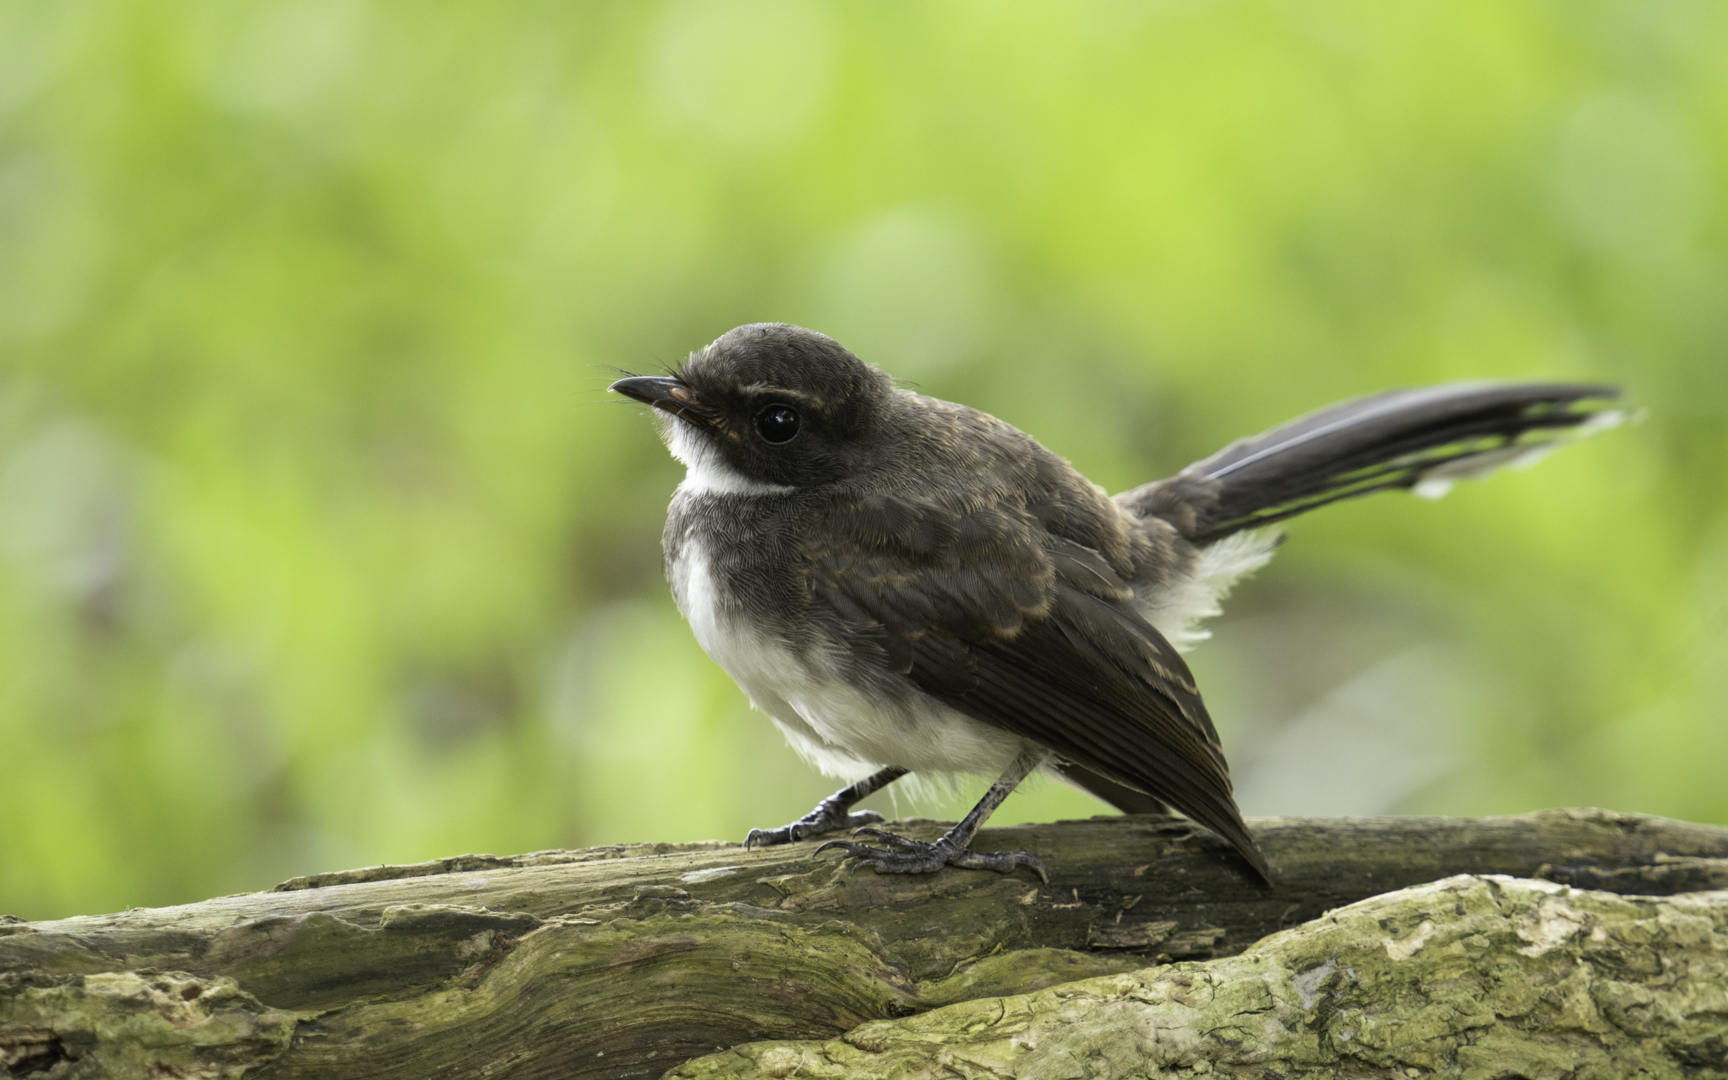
{"type": "Point", "coordinates": [1415, 439]}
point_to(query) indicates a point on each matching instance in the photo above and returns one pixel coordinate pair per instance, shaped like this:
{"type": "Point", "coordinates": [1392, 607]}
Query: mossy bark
{"type": "Point", "coordinates": [1473, 976]}
{"type": "Point", "coordinates": [631, 961]}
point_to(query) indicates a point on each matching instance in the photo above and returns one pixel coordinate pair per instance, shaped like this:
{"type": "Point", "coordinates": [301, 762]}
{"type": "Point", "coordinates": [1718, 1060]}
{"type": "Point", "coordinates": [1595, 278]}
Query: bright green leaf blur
{"type": "Point", "coordinates": [321, 546]}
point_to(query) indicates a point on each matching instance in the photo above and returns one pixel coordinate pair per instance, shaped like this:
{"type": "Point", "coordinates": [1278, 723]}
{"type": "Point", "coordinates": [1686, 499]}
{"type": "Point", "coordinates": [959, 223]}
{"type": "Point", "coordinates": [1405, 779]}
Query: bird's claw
{"type": "Point", "coordinates": [892, 839]}
{"type": "Point", "coordinates": [818, 821]}
{"type": "Point", "coordinates": [919, 857]}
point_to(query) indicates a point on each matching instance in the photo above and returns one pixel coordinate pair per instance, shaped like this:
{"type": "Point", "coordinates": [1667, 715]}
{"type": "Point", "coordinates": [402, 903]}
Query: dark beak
{"type": "Point", "coordinates": [665, 393]}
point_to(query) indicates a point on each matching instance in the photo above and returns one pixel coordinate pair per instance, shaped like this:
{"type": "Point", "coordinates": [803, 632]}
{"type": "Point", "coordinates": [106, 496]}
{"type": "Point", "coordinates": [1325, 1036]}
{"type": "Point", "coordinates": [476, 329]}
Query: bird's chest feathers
{"type": "Point", "coordinates": [736, 582]}
{"type": "Point", "coordinates": [706, 603]}
{"type": "Point", "coordinates": [738, 605]}
{"type": "Point", "coordinates": [788, 683]}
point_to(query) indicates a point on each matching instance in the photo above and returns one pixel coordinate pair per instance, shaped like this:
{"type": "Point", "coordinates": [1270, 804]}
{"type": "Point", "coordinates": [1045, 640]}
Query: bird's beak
{"type": "Point", "coordinates": [666, 393]}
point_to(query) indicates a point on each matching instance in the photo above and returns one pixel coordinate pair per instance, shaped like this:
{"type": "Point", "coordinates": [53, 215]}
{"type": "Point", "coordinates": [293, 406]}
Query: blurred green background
{"type": "Point", "coordinates": [320, 545]}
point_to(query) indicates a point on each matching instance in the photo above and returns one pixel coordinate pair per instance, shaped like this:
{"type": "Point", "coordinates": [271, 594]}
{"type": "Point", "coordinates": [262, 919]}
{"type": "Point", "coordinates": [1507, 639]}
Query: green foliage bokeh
{"type": "Point", "coordinates": [321, 546]}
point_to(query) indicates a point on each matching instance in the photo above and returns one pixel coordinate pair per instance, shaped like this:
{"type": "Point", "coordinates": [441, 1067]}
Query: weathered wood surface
{"type": "Point", "coordinates": [628, 961]}
{"type": "Point", "coordinates": [1473, 977]}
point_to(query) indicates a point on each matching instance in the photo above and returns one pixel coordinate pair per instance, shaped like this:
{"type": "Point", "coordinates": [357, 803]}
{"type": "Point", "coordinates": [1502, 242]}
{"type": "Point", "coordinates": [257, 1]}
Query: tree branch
{"type": "Point", "coordinates": [628, 961]}
{"type": "Point", "coordinates": [1470, 976]}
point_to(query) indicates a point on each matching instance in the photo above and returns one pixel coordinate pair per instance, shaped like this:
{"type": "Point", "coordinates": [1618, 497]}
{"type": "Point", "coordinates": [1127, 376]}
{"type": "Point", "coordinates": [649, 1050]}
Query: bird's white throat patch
{"type": "Point", "coordinates": [706, 470]}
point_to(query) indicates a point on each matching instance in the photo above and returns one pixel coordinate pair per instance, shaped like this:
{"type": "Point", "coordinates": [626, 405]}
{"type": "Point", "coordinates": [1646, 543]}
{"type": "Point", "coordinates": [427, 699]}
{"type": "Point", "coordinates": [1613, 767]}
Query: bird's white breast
{"type": "Point", "coordinates": [841, 727]}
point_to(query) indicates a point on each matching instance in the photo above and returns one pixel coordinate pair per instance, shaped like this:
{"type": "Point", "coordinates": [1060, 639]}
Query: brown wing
{"type": "Point", "coordinates": [986, 610]}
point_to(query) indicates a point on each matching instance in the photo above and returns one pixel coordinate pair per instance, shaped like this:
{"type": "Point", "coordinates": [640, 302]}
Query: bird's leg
{"type": "Point", "coordinates": [918, 857]}
{"type": "Point", "coordinates": [834, 812]}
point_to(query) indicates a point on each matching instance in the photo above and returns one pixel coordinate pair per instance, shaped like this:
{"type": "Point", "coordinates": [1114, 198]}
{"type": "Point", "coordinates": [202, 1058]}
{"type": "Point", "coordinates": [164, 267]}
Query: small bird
{"type": "Point", "coordinates": [904, 584]}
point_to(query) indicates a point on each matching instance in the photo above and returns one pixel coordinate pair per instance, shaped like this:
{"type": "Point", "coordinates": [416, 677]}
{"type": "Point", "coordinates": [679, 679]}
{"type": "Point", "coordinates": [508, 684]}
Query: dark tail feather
{"type": "Point", "coordinates": [1398, 439]}
{"type": "Point", "coordinates": [1130, 801]}
{"type": "Point", "coordinates": [1122, 797]}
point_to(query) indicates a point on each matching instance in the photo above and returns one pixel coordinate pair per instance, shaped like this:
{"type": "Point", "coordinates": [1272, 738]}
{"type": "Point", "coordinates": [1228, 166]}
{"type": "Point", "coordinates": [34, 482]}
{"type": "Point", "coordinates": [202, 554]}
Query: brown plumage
{"type": "Point", "coordinates": [904, 583]}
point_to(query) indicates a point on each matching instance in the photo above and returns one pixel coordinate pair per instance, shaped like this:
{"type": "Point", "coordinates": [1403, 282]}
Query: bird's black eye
{"type": "Point", "coordinates": [777, 423]}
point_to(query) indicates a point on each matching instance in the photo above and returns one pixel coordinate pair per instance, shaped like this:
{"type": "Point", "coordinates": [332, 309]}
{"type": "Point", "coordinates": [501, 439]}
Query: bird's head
{"type": "Point", "coordinates": [767, 407]}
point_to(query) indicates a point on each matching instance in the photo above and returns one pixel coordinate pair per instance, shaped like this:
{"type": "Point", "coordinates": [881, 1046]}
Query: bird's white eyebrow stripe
{"type": "Point", "coordinates": [777, 391]}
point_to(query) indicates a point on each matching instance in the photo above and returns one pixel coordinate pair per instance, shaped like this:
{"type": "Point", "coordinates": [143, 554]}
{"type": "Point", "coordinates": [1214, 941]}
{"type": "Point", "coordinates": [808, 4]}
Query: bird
{"type": "Point", "coordinates": [908, 585]}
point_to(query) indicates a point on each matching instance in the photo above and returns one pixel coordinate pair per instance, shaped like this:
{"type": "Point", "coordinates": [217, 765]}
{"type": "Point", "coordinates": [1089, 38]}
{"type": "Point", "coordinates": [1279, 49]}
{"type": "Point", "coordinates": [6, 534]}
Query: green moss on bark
{"type": "Point", "coordinates": [1470, 977]}
{"type": "Point", "coordinates": [627, 961]}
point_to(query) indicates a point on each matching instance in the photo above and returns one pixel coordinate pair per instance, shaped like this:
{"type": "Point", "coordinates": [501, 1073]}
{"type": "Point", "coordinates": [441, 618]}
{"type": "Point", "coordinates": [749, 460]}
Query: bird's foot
{"type": "Point", "coordinates": [826, 818]}
{"type": "Point", "coordinates": [919, 857]}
